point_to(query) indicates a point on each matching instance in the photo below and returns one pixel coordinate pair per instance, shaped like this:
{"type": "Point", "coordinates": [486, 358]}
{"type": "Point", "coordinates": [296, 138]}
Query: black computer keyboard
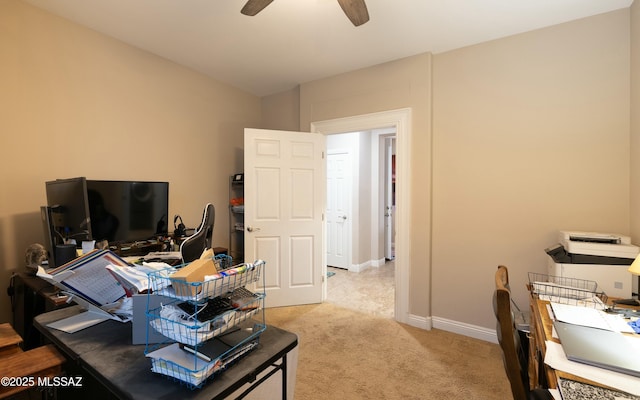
{"type": "Point", "coordinates": [208, 310]}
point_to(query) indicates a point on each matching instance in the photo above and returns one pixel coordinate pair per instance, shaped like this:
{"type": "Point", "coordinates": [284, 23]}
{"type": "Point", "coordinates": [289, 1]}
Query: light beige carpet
{"type": "Point", "coordinates": [345, 354]}
{"type": "Point", "coordinates": [371, 291]}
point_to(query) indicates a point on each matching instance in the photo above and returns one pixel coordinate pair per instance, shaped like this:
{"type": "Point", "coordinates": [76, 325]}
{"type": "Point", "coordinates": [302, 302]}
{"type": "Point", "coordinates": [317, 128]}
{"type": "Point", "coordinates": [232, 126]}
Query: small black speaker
{"type": "Point", "coordinates": [65, 253]}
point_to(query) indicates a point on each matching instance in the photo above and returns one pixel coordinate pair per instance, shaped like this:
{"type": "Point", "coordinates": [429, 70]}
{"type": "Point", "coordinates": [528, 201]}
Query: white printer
{"type": "Point", "coordinates": [600, 257]}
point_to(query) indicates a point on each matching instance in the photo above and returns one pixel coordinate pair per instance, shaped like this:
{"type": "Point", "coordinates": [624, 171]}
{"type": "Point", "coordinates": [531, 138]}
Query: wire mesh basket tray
{"type": "Point", "coordinates": [208, 325]}
{"type": "Point", "coordinates": [217, 284]}
{"type": "Point", "coordinates": [173, 322]}
{"type": "Point", "coordinates": [193, 369]}
{"type": "Point", "coordinates": [564, 290]}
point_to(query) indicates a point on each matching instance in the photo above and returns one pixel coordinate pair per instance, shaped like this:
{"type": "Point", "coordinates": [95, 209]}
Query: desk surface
{"type": "Point", "coordinates": [105, 351]}
{"type": "Point", "coordinates": [543, 330]}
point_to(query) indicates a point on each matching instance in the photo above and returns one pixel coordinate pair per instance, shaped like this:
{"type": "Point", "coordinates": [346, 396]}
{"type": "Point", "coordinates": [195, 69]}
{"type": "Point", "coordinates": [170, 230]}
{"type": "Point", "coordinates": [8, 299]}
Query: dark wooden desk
{"type": "Point", "coordinates": [105, 352]}
{"type": "Point", "coordinates": [541, 374]}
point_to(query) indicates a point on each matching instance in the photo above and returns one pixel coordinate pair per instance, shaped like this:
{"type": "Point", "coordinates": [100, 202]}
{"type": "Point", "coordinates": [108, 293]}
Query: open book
{"type": "Point", "coordinates": [88, 282]}
{"type": "Point", "coordinates": [87, 277]}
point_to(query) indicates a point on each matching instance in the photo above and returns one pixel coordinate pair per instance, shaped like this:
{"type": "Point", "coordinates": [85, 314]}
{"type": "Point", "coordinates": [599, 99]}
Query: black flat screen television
{"type": "Point", "coordinates": [128, 211]}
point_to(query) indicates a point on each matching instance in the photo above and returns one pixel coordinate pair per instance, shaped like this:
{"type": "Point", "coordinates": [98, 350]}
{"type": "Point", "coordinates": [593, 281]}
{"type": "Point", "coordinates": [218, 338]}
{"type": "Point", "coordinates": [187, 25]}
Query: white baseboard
{"type": "Point", "coordinates": [461, 328]}
{"type": "Point", "coordinates": [379, 263]}
{"type": "Point", "coordinates": [360, 267]}
{"type": "Point", "coordinates": [367, 264]}
{"type": "Point", "coordinates": [419, 322]}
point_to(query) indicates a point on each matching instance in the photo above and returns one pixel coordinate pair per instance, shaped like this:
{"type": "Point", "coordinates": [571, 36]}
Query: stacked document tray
{"type": "Point", "coordinates": [563, 290]}
{"type": "Point", "coordinates": [209, 324]}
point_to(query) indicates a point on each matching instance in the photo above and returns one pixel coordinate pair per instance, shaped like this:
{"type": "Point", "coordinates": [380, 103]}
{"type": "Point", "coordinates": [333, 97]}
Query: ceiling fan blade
{"type": "Point", "coordinates": [252, 7]}
{"type": "Point", "coordinates": [356, 10]}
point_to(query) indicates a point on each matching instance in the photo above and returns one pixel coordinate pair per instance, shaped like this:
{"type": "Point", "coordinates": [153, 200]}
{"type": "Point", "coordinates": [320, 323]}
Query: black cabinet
{"type": "Point", "coordinates": [31, 296]}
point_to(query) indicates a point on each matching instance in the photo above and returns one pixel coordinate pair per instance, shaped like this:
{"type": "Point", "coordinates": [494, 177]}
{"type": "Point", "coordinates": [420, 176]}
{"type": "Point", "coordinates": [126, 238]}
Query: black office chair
{"type": "Point", "coordinates": [192, 247]}
{"type": "Point", "coordinates": [516, 360]}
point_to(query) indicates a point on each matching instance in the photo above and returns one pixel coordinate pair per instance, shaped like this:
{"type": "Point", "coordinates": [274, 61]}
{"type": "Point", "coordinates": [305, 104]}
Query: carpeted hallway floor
{"type": "Point", "coordinates": [347, 354]}
{"type": "Point", "coordinates": [371, 291]}
{"type": "Point", "coordinates": [352, 348]}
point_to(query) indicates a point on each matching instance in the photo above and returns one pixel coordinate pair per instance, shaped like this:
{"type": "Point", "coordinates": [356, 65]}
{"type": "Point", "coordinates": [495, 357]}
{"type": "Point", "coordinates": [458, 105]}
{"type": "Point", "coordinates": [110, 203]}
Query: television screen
{"type": "Point", "coordinates": [69, 209]}
{"type": "Point", "coordinates": [126, 211]}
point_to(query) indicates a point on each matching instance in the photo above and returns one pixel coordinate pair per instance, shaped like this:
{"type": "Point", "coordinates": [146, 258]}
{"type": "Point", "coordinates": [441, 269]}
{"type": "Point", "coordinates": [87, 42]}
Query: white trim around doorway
{"type": "Point", "coordinates": [401, 120]}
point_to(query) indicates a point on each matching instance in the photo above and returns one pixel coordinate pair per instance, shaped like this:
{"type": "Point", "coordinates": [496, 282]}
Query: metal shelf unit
{"type": "Point", "coordinates": [236, 217]}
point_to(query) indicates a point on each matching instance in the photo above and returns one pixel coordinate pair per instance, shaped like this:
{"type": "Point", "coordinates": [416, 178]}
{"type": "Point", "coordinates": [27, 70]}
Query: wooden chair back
{"type": "Point", "coordinates": [514, 356]}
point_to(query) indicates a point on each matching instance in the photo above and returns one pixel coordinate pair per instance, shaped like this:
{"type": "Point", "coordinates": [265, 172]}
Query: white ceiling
{"type": "Point", "coordinates": [297, 41]}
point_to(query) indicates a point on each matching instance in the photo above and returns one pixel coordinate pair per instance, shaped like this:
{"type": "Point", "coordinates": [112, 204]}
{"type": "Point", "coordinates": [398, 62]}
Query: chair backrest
{"type": "Point", "coordinates": [208, 220]}
{"type": "Point", "coordinates": [514, 357]}
{"type": "Point", "coordinates": [192, 247]}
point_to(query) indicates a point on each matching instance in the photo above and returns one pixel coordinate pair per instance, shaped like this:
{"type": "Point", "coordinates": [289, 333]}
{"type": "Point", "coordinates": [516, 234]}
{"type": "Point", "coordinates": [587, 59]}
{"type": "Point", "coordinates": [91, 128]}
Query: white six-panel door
{"type": "Point", "coordinates": [284, 197]}
{"type": "Point", "coordinates": [338, 213]}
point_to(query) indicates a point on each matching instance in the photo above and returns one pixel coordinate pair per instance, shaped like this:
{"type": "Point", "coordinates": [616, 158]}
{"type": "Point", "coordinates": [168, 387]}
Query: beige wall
{"type": "Point", "coordinates": [281, 111]}
{"type": "Point", "coordinates": [635, 122]}
{"type": "Point", "coordinates": [77, 103]}
{"type": "Point", "coordinates": [531, 135]}
{"type": "Point", "coordinates": [404, 83]}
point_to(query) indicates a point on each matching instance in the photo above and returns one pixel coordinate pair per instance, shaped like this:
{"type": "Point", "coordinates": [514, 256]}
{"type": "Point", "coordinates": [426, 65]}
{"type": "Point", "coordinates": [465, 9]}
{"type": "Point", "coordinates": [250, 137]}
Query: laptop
{"type": "Point", "coordinates": [600, 348]}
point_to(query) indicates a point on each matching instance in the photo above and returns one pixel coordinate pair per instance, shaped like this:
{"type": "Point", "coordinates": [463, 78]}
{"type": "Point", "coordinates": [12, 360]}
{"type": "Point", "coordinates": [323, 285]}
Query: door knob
{"type": "Point", "coordinates": [252, 229]}
{"type": "Point", "coordinates": [344, 217]}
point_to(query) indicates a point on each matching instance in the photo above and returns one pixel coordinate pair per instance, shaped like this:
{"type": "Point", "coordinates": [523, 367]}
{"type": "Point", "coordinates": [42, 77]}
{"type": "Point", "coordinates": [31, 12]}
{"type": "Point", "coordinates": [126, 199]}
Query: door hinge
{"type": "Point", "coordinates": [323, 216]}
{"type": "Point", "coordinates": [323, 154]}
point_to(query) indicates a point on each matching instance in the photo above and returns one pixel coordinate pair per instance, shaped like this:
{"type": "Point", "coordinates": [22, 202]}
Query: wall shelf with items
{"type": "Point", "coordinates": [236, 217]}
{"type": "Point", "coordinates": [209, 324]}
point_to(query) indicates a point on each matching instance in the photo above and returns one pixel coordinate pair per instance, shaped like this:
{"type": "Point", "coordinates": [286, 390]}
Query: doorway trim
{"type": "Point", "coordinates": [377, 212]}
{"type": "Point", "coordinates": [401, 120]}
{"type": "Point", "coordinates": [388, 202]}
